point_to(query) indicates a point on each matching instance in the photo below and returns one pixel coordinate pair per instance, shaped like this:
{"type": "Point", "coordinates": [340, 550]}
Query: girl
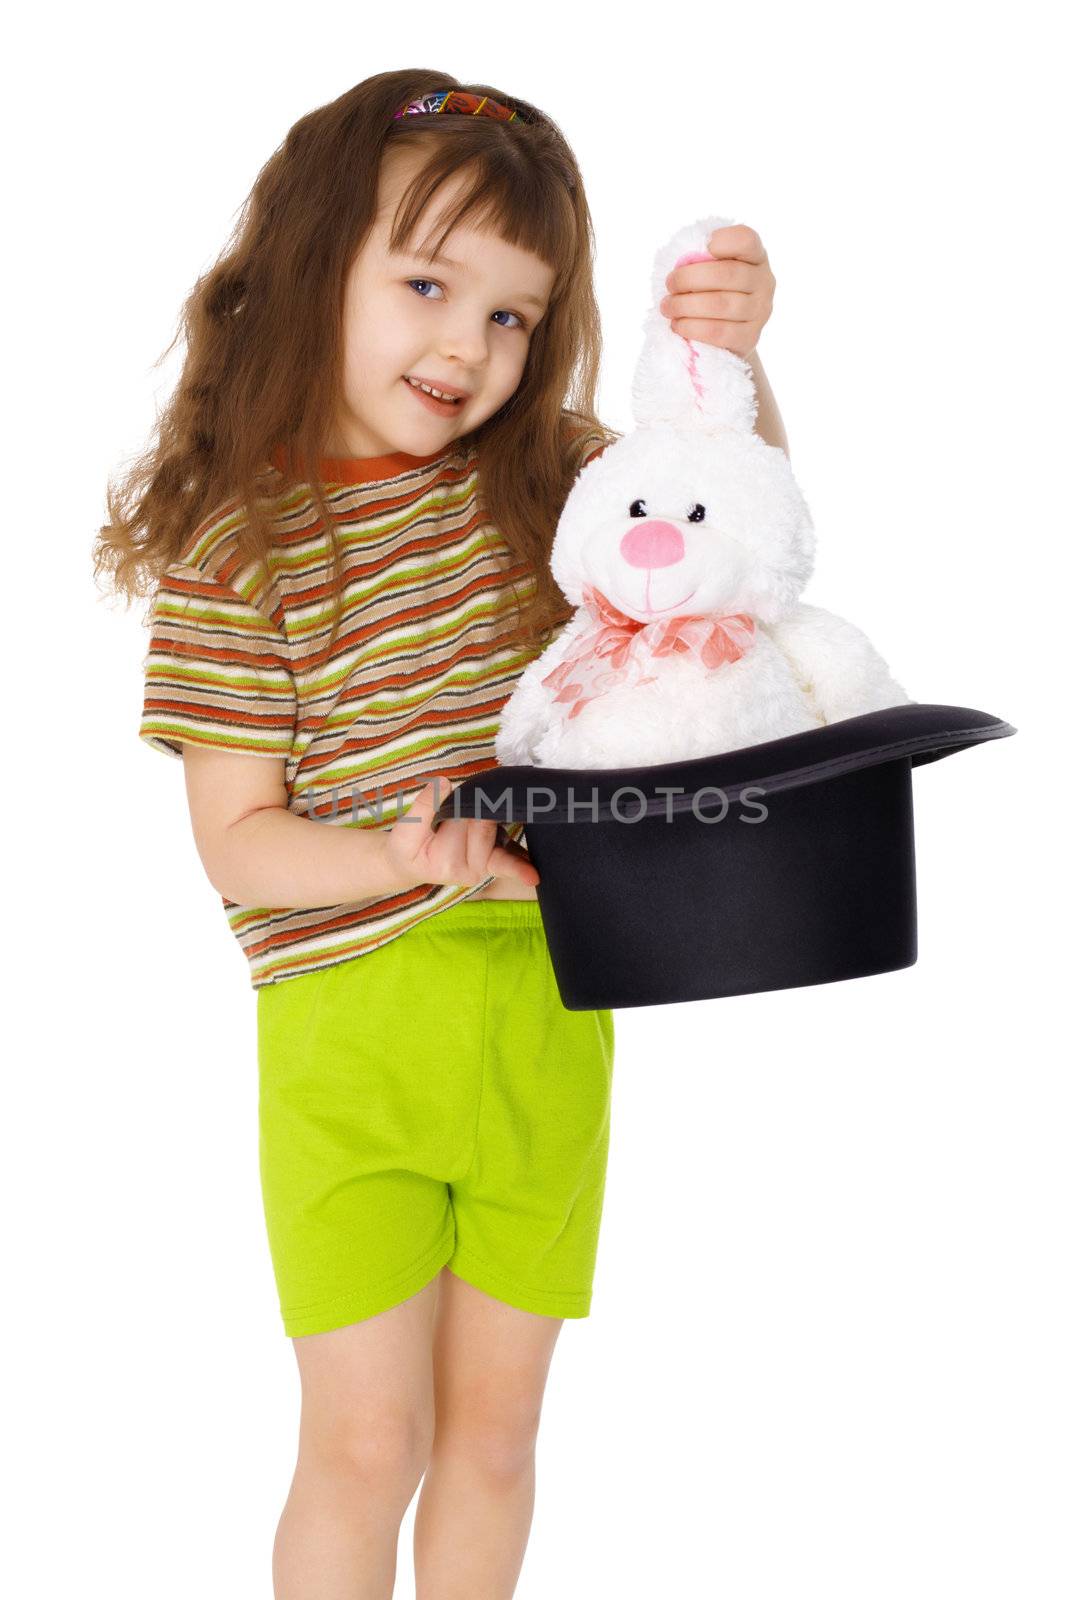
{"type": "Point", "coordinates": [346, 524]}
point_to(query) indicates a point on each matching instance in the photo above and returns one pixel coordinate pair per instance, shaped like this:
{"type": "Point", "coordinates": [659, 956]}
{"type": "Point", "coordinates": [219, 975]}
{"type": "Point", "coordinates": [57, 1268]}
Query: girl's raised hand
{"type": "Point", "coordinates": [461, 850]}
{"type": "Point", "coordinates": [725, 302]}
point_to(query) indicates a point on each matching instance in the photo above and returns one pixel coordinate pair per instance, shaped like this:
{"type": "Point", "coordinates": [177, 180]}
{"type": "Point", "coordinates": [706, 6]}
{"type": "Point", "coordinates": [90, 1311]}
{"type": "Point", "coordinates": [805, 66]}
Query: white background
{"type": "Point", "coordinates": [826, 1349]}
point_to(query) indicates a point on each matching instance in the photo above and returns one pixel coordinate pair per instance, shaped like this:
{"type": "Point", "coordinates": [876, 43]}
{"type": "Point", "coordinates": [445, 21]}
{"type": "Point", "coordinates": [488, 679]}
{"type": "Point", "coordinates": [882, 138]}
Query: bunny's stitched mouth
{"type": "Point", "coordinates": [655, 611]}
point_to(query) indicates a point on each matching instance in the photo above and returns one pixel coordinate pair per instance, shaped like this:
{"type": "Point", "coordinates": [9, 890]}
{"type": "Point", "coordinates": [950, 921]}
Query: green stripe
{"type": "Point", "coordinates": [455, 678]}
{"type": "Point", "coordinates": [179, 731]}
{"type": "Point", "coordinates": [403, 753]}
{"type": "Point", "coordinates": [358, 598]}
{"type": "Point", "coordinates": [292, 964]}
{"type": "Point", "coordinates": [350, 534]}
{"type": "Point", "coordinates": [185, 608]}
{"type": "Point", "coordinates": [204, 678]}
{"type": "Point", "coordinates": [449, 625]}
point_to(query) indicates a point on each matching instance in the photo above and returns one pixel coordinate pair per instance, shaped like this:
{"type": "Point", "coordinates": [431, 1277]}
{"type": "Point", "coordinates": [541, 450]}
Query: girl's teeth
{"type": "Point", "coordinates": [425, 387]}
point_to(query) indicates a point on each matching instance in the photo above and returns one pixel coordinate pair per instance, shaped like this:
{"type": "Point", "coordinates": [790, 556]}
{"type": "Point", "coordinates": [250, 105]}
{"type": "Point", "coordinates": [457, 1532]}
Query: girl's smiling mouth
{"type": "Point", "coordinates": [440, 408]}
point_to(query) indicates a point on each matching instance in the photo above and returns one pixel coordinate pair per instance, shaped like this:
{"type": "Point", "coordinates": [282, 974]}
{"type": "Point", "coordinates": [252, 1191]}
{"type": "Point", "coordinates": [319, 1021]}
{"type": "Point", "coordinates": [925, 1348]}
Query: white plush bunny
{"type": "Point", "coordinates": [685, 546]}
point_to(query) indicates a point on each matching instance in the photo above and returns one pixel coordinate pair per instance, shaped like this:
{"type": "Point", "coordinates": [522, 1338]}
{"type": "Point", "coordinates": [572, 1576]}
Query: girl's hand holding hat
{"type": "Point", "coordinates": [725, 301]}
{"type": "Point", "coordinates": [460, 850]}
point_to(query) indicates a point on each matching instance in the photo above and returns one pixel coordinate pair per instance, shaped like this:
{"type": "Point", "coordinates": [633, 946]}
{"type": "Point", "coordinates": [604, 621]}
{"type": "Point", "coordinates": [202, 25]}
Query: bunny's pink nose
{"type": "Point", "coordinates": [652, 544]}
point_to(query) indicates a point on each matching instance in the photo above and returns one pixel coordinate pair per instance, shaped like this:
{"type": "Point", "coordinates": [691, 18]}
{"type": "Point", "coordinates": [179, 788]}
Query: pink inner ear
{"type": "Point", "coordinates": [695, 255]}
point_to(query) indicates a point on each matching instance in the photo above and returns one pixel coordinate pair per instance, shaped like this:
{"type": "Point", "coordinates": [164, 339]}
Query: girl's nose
{"type": "Point", "coordinates": [652, 544]}
{"type": "Point", "coordinates": [466, 345]}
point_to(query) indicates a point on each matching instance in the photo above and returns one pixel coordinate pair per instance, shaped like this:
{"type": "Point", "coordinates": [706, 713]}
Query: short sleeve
{"type": "Point", "coordinates": [217, 671]}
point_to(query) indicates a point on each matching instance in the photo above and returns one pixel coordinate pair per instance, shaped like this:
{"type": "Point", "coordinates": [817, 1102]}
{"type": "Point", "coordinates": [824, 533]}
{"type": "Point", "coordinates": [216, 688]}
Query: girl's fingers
{"type": "Point", "coordinates": [738, 275]}
{"type": "Point", "coordinates": [433, 855]}
{"type": "Point", "coordinates": [737, 240]}
{"type": "Point", "coordinates": [511, 861]}
{"type": "Point", "coordinates": [412, 832]}
{"type": "Point", "coordinates": [716, 303]}
{"type": "Point", "coordinates": [444, 859]}
{"type": "Point", "coordinates": [460, 849]}
{"type": "Point", "coordinates": [736, 336]}
{"type": "Point", "coordinates": [476, 854]}
{"type": "Point", "coordinates": [476, 843]}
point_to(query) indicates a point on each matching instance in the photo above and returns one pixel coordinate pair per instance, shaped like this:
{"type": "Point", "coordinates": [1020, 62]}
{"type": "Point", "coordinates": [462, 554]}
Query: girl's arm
{"type": "Point", "coordinates": [769, 424]}
{"type": "Point", "coordinates": [273, 858]}
{"type": "Point", "coordinates": [257, 853]}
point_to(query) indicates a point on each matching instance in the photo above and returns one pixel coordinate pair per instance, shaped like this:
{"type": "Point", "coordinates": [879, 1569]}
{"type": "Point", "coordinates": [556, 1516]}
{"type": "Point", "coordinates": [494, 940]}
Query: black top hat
{"type": "Point", "coordinates": [782, 864]}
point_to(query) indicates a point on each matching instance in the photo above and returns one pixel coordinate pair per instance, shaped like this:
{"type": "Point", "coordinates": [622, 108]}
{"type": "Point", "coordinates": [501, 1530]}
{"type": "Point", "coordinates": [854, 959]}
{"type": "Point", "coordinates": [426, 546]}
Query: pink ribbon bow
{"type": "Point", "coordinates": [628, 647]}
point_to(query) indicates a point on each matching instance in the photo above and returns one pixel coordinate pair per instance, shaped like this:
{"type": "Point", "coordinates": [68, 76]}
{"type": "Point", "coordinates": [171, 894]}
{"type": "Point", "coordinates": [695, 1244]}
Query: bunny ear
{"type": "Point", "coordinates": [681, 382]}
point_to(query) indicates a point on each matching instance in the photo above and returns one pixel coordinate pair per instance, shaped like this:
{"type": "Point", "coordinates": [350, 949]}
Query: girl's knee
{"type": "Point", "coordinates": [367, 1395]}
{"type": "Point", "coordinates": [381, 1449]}
{"type": "Point", "coordinates": [496, 1433]}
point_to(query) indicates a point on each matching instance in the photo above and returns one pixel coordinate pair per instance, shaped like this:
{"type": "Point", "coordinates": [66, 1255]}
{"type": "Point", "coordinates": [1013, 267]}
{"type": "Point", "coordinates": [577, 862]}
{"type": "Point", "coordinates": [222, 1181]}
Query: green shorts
{"type": "Point", "coordinates": [433, 1102]}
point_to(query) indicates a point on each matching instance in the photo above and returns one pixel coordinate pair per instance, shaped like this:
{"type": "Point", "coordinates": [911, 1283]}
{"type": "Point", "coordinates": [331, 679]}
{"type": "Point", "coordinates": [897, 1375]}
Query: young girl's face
{"type": "Point", "coordinates": [462, 326]}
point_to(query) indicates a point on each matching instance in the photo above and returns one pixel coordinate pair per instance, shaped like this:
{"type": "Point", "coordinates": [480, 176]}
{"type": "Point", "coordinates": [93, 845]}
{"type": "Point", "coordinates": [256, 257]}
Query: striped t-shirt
{"type": "Point", "coordinates": [412, 689]}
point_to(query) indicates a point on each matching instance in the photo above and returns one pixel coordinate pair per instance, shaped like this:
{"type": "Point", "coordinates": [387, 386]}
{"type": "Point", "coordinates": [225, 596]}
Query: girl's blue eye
{"type": "Point", "coordinates": [520, 321]}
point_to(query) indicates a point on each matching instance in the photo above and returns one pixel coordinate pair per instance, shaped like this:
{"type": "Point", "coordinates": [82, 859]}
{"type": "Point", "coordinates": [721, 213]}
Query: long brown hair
{"type": "Point", "coordinates": [264, 362]}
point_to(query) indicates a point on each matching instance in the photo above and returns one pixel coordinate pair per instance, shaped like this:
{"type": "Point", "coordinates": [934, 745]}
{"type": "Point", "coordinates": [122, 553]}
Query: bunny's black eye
{"type": "Point", "coordinates": [637, 508]}
{"type": "Point", "coordinates": [696, 513]}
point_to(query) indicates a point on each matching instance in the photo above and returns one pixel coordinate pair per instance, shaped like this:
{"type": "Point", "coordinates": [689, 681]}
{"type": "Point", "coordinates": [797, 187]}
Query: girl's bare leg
{"type": "Point", "coordinates": [366, 1428]}
{"type": "Point", "coordinates": [472, 1523]}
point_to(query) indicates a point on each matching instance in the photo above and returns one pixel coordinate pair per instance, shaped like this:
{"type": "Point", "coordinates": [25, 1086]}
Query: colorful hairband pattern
{"type": "Point", "coordinates": [462, 104]}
